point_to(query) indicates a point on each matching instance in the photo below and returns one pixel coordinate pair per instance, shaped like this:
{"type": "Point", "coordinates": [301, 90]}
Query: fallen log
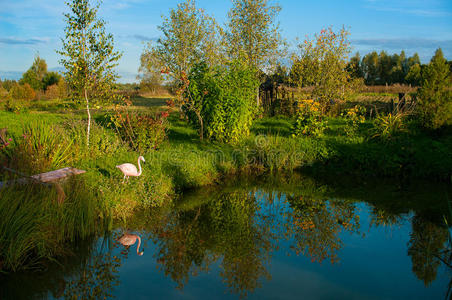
{"type": "Point", "coordinates": [48, 179]}
{"type": "Point", "coordinates": [45, 177]}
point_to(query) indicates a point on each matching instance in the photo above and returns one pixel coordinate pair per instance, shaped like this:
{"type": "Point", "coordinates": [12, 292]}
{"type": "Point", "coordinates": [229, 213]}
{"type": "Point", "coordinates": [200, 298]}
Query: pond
{"type": "Point", "coordinates": [268, 238]}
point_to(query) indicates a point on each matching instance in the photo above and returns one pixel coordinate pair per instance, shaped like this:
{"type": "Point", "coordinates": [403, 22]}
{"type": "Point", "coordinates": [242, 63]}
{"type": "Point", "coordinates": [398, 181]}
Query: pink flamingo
{"type": "Point", "coordinates": [128, 240]}
{"type": "Point", "coordinates": [130, 169]}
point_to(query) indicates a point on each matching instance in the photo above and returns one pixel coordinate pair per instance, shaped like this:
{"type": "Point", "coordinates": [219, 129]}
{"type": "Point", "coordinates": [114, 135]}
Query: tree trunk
{"type": "Point", "coordinates": [257, 97]}
{"type": "Point", "coordinates": [89, 118]}
{"type": "Point", "coordinates": [201, 123]}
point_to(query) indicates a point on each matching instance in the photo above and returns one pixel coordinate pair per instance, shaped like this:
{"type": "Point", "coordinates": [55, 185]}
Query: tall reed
{"type": "Point", "coordinates": [35, 227]}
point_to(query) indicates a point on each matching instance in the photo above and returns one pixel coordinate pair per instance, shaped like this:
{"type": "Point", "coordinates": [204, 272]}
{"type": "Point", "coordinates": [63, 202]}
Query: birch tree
{"type": "Point", "coordinates": [253, 34]}
{"type": "Point", "coordinates": [88, 55]}
{"type": "Point", "coordinates": [189, 36]}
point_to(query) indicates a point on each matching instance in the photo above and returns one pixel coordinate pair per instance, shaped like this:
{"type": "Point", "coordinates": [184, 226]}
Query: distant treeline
{"type": "Point", "coordinates": [374, 68]}
{"type": "Point", "coordinates": [384, 69]}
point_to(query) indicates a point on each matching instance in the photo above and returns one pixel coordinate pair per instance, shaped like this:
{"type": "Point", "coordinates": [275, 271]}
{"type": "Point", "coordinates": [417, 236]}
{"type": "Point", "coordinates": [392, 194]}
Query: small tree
{"type": "Point", "coordinates": [435, 100]}
{"type": "Point", "coordinates": [88, 55]}
{"type": "Point", "coordinates": [322, 64]}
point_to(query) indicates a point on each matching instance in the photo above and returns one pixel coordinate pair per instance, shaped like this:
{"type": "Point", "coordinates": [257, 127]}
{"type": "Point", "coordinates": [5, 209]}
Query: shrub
{"type": "Point", "coordinates": [102, 142]}
{"type": "Point", "coordinates": [354, 116]}
{"type": "Point", "coordinates": [3, 93]}
{"type": "Point", "coordinates": [142, 132]}
{"type": "Point", "coordinates": [388, 127]}
{"type": "Point", "coordinates": [42, 148]}
{"type": "Point", "coordinates": [52, 92]}
{"type": "Point", "coordinates": [222, 100]}
{"type": "Point", "coordinates": [22, 92]}
{"type": "Point", "coordinates": [310, 120]}
{"type": "Point", "coordinates": [13, 106]}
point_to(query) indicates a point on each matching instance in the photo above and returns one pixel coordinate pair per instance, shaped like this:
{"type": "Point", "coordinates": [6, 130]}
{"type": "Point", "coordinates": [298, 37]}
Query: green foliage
{"type": "Point", "coordinates": [252, 33]}
{"type": "Point", "coordinates": [35, 75]}
{"type": "Point", "coordinates": [189, 37]}
{"type": "Point", "coordinates": [435, 99]}
{"type": "Point", "coordinates": [87, 52]}
{"type": "Point", "coordinates": [51, 78]}
{"type": "Point", "coordinates": [322, 64]}
{"type": "Point", "coordinates": [34, 227]}
{"type": "Point", "coordinates": [354, 117]}
{"type": "Point", "coordinates": [42, 148]}
{"type": "Point", "coordinates": [309, 120]}
{"type": "Point", "coordinates": [387, 127]}
{"type": "Point", "coordinates": [413, 76]}
{"type": "Point", "coordinates": [354, 66]}
{"type": "Point", "coordinates": [13, 106]}
{"type": "Point", "coordinates": [381, 68]}
{"type": "Point", "coordinates": [88, 55]}
{"type": "Point", "coordinates": [223, 99]}
{"type": "Point", "coordinates": [142, 132]}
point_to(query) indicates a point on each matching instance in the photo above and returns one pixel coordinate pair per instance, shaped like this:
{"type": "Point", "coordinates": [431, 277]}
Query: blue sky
{"type": "Point", "coordinates": [28, 27]}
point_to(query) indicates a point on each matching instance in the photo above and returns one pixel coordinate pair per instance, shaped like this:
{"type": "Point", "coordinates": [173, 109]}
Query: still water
{"type": "Point", "coordinates": [284, 238]}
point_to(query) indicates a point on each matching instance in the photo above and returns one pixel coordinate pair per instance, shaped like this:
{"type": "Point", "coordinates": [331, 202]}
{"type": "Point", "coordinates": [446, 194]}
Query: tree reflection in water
{"type": "Point", "coordinates": [97, 276]}
{"type": "Point", "coordinates": [427, 247]}
{"type": "Point", "coordinates": [243, 227]}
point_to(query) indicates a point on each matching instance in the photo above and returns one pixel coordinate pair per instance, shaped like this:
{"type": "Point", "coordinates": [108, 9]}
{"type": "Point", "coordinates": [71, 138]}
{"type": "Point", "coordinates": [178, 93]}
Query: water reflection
{"type": "Point", "coordinates": [235, 233]}
{"type": "Point", "coordinates": [128, 240]}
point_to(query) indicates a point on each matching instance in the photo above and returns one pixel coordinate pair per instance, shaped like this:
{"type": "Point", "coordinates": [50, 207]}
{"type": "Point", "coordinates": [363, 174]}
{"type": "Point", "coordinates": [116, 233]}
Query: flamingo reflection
{"type": "Point", "coordinates": [128, 240]}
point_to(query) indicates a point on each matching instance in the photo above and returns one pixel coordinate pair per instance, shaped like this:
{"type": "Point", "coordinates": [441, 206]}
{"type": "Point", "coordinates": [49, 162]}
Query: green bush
{"type": "Point", "coordinates": [388, 127]}
{"type": "Point", "coordinates": [41, 148]}
{"type": "Point", "coordinates": [142, 132]}
{"type": "Point", "coordinates": [13, 106]}
{"type": "Point", "coordinates": [354, 116]}
{"type": "Point", "coordinates": [224, 99]}
{"type": "Point", "coordinates": [309, 120]}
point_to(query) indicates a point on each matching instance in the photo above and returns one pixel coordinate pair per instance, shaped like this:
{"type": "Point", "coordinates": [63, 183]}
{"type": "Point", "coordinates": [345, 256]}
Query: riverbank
{"type": "Point", "coordinates": [180, 163]}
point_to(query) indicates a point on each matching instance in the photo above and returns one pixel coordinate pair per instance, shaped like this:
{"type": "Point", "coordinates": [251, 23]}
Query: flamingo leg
{"type": "Point", "coordinates": [123, 179]}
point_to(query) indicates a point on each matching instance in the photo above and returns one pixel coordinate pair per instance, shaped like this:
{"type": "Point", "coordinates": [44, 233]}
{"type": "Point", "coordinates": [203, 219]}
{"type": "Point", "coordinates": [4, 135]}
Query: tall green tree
{"type": "Point", "coordinates": [354, 66]}
{"type": "Point", "coordinates": [253, 34]}
{"type": "Point", "coordinates": [88, 55]}
{"type": "Point", "coordinates": [189, 36]}
{"type": "Point", "coordinates": [35, 74]}
{"type": "Point", "coordinates": [369, 67]}
{"type": "Point", "coordinates": [413, 76]}
{"type": "Point", "coordinates": [435, 99]}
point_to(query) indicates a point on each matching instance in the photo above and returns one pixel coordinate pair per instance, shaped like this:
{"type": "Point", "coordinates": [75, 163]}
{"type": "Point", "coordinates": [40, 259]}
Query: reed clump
{"type": "Point", "coordinates": [35, 227]}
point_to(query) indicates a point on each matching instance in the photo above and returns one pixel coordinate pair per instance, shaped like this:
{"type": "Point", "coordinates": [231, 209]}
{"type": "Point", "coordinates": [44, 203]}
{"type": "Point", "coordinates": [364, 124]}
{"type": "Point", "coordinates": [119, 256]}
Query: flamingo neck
{"type": "Point", "coordinates": [139, 244]}
{"type": "Point", "coordinates": [139, 166]}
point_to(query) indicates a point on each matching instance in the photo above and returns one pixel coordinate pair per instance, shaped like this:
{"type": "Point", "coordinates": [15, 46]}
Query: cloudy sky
{"type": "Point", "coordinates": [30, 27]}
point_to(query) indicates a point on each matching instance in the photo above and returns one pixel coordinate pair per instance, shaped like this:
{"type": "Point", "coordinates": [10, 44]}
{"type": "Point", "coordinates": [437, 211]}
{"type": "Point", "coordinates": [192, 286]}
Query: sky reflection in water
{"type": "Point", "coordinates": [286, 239]}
